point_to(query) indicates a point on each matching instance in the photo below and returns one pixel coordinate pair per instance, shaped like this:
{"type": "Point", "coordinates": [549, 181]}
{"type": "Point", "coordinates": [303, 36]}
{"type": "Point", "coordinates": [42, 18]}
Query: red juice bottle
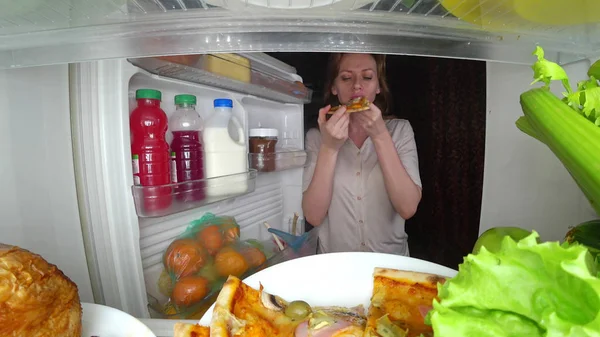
{"type": "Point", "coordinates": [186, 125]}
{"type": "Point", "coordinates": [150, 150]}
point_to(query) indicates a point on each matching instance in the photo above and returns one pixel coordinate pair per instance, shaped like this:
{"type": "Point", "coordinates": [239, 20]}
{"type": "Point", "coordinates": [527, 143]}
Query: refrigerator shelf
{"type": "Point", "coordinates": [39, 32]}
{"type": "Point", "coordinates": [156, 201]}
{"type": "Point", "coordinates": [230, 72]}
{"type": "Point", "coordinates": [278, 161]}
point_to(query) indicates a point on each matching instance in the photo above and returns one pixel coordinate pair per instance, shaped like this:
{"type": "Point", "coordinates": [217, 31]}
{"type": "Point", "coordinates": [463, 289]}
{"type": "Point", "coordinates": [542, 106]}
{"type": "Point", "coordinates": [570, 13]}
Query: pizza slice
{"type": "Point", "coordinates": [399, 303]}
{"type": "Point", "coordinates": [241, 310]}
{"type": "Point", "coordinates": [190, 330]}
{"type": "Point", "coordinates": [355, 105]}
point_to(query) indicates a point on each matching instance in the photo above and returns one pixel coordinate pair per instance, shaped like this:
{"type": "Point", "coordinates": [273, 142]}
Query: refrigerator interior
{"type": "Point", "coordinates": [272, 197]}
{"type": "Point", "coordinates": [524, 183]}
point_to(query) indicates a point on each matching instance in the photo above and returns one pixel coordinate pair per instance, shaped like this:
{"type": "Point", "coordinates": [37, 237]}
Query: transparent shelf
{"type": "Point", "coordinates": [39, 32]}
{"type": "Point", "coordinates": [228, 71]}
{"type": "Point", "coordinates": [155, 201]}
{"type": "Point", "coordinates": [278, 161]}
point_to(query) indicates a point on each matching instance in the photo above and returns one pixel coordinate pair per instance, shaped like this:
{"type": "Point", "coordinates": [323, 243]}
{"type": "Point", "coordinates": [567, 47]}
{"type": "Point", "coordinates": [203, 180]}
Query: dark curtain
{"type": "Point", "coordinates": [444, 100]}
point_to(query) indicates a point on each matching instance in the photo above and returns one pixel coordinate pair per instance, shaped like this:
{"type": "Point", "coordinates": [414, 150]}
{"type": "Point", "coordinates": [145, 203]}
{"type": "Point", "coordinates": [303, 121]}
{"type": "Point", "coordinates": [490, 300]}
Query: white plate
{"type": "Point", "coordinates": [102, 321]}
{"type": "Point", "coordinates": [341, 279]}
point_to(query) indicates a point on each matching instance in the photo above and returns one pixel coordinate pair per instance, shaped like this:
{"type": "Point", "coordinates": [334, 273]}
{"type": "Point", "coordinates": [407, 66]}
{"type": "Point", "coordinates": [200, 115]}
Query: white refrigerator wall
{"type": "Point", "coordinates": [38, 200]}
{"type": "Point", "coordinates": [524, 183]}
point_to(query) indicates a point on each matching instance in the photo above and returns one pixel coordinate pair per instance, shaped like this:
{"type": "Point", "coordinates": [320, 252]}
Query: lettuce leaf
{"type": "Point", "coordinates": [525, 289]}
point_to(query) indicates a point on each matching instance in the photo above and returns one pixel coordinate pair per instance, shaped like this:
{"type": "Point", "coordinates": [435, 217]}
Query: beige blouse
{"type": "Point", "coordinates": [361, 216]}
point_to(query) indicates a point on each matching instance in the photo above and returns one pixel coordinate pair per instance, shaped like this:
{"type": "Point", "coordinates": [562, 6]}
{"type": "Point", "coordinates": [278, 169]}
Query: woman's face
{"type": "Point", "coordinates": [357, 77]}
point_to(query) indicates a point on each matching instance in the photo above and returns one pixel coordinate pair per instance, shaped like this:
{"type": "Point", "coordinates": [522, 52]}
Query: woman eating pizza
{"type": "Point", "coordinates": [363, 180]}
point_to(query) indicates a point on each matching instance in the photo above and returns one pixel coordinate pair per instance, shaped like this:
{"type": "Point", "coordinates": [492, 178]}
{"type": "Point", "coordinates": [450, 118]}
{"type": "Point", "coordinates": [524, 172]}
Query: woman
{"type": "Point", "coordinates": [363, 179]}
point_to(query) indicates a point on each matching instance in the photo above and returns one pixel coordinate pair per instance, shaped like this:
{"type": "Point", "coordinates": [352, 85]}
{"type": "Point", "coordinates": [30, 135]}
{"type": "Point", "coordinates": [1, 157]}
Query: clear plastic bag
{"type": "Point", "coordinates": [200, 260]}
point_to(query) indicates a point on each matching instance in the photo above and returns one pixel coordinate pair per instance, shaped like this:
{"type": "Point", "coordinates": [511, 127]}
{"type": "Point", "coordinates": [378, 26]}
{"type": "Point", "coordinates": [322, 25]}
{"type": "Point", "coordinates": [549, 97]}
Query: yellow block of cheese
{"type": "Point", "coordinates": [231, 66]}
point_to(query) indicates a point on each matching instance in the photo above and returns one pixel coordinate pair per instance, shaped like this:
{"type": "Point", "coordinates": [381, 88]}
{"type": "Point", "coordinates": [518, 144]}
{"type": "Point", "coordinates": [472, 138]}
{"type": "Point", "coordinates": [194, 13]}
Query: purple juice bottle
{"type": "Point", "coordinates": [186, 126]}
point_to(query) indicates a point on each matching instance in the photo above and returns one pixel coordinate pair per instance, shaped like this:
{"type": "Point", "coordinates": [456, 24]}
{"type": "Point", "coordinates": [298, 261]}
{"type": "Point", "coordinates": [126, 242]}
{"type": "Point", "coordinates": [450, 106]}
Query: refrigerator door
{"type": "Point", "coordinates": [127, 250]}
{"type": "Point", "coordinates": [103, 173]}
{"type": "Point", "coordinates": [38, 200]}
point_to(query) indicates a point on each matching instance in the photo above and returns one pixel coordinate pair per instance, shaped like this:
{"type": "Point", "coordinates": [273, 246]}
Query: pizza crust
{"type": "Point", "coordinates": [409, 276]}
{"type": "Point", "coordinates": [404, 297]}
{"type": "Point", "coordinates": [223, 320]}
{"type": "Point", "coordinates": [190, 330]}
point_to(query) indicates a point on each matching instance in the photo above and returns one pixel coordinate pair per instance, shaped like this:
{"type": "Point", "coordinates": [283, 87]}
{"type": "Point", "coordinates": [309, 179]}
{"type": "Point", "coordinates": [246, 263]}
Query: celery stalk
{"type": "Point", "coordinates": [569, 135]}
{"type": "Point", "coordinates": [523, 125]}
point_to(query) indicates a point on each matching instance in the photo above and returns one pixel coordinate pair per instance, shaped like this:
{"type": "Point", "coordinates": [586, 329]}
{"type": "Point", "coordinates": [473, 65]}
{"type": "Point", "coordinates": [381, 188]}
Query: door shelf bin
{"type": "Point", "coordinates": [160, 306]}
{"type": "Point", "coordinates": [278, 161]}
{"type": "Point", "coordinates": [155, 201]}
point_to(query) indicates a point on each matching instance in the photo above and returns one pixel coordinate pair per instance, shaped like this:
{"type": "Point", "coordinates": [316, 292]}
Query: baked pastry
{"type": "Point", "coordinates": [36, 298]}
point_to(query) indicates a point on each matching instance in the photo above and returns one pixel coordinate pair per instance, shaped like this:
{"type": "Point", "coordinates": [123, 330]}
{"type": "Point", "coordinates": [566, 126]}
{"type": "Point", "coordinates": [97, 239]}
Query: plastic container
{"type": "Point", "coordinates": [501, 14]}
{"type": "Point", "coordinates": [150, 150]}
{"type": "Point", "coordinates": [224, 153]}
{"type": "Point", "coordinates": [230, 72]}
{"type": "Point", "coordinates": [262, 147]}
{"type": "Point", "coordinates": [228, 183]}
{"type": "Point", "coordinates": [186, 149]}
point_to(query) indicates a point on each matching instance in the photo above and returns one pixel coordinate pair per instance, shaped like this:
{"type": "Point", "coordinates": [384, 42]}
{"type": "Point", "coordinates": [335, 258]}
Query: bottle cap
{"type": "Point", "coordinates": [148, 93]}
{"type": "Point", "coordinates": [223, 103]}
{"type": "Point", "coordinates": [185, 99]}
{"type": "Point", "coordinates": [263, 132]}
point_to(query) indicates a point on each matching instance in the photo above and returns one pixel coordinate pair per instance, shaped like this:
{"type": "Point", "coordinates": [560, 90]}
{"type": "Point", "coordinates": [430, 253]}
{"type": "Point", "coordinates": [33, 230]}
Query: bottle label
{"type": "Point", "coordinates": [135, 162]}
{"type": "Point", "coordinates": [173, 168]}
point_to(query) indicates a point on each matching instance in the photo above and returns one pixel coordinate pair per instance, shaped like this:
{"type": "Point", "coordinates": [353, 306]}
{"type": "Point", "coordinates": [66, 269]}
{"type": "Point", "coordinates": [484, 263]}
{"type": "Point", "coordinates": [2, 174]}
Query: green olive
{"type": "Point", "coordinates": [297, 310]}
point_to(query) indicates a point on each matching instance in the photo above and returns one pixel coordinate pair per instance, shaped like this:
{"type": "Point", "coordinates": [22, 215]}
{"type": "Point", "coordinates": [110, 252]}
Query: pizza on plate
{"type": "Point", "coordinates": [241, 310]}
{"type": "Point", "coordinates": [355, 105]}
{"type": "Point", "coordinates": [399, 303]}
{"type": "Point", "coordinates": [190, 330]}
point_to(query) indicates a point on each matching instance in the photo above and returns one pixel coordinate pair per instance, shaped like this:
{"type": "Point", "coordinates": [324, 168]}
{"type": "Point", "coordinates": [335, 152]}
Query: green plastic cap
{"type": "Point", "coordinates": [148, 93]}
{"type": "Point", "coordinates": [185, 99]}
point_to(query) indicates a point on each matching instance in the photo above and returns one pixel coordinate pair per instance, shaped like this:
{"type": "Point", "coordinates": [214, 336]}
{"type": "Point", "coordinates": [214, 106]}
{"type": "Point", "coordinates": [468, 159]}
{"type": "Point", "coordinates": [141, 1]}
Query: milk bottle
{"type": "Point", "coordinates": [224, 154]}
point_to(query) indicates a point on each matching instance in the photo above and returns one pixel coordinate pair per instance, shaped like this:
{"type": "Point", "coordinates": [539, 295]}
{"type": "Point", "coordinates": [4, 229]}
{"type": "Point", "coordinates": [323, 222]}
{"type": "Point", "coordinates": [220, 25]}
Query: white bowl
{"type": "Point", "coordinates": [102, 321]}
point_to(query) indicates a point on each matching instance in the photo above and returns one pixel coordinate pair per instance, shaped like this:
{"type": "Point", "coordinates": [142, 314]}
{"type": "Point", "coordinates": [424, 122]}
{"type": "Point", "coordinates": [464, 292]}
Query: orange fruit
{"type": "Point", "coordinates": [189, 290]}
{"type": "Point", "coordinates": [231, 234]}
{"type": "Point", "coordinates": [184, 257]}
{"type": "Point", "coordinates": [230, 262]}
{"type": "Point", "coordinates": [254, 256]}
{"type": "Point", "coordinates": [211, 238]}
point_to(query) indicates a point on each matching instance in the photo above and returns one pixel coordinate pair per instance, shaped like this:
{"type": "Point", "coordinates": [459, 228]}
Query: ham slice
{"type": "Point", "coordinates": [326, 331]}
{"type": "Point", "coordinates": [424, 310]}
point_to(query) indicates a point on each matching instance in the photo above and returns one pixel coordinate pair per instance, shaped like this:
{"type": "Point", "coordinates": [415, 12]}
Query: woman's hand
{"type": "Point", "coordinates": [334, 131]}
{"type": "Point", "coordinates": [371, 121]}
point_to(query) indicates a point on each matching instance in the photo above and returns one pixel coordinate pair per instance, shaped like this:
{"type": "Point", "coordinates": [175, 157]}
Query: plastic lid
{"type": "Point", "coordinates": [223, 103]}
{"type": "Point", "coordinates": [263, 132]}
{"type": "Point", "coordinates": [148, 93]}
{"type": "Point", "coordinates": [185, 99]}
